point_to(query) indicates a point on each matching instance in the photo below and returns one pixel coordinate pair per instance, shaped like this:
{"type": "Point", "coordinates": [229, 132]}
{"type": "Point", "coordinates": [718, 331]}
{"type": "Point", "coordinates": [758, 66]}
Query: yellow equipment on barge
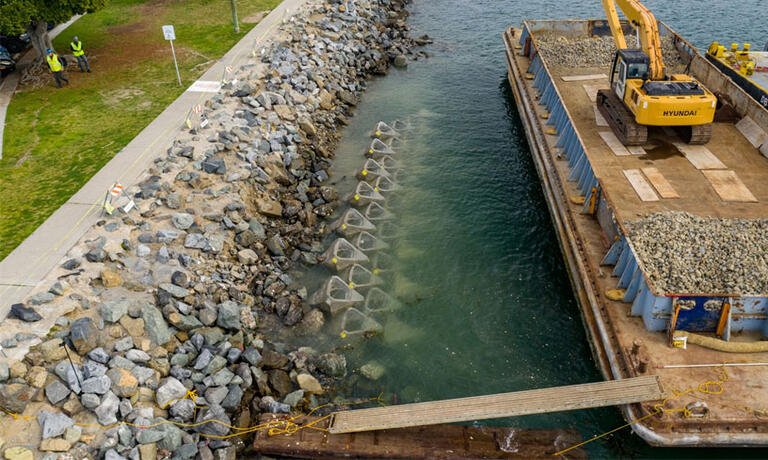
{"type": "Point", "coordinates": [597, 188]}
{"type": "Point", "coordinates": [746, 67]}
{"type": "Point", "coordinates": [642, 94]}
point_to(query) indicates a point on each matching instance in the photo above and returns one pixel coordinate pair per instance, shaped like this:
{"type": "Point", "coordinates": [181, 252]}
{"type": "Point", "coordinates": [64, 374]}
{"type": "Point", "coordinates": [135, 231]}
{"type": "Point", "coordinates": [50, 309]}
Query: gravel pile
{"type": "Point", "coordinates": [596, 52]}
{"type": "Point", "coordinates": [194, 288]}
{"type": "Point", "coordinates": [684, 253]}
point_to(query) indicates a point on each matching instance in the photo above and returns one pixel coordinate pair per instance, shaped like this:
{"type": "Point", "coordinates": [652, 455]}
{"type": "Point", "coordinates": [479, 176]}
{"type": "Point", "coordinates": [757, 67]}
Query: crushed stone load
{"type": "Point", "coordinates": [177, 310]}
{"type": "Point", "coordinates": [688, 254]}
{"type": "Point", "coordinates": [568, 52]}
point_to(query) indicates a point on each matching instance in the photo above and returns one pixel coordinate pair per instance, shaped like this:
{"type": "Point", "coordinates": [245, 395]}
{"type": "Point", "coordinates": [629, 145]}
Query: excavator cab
{"type": "Point", "coordinates": [643, 93]}
{"type": "Point", "coordinates": [628, 64]}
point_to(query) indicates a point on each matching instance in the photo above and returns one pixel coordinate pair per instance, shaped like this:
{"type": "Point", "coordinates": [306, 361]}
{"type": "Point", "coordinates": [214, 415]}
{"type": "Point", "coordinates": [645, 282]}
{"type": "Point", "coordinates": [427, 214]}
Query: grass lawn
{"type": "Point", "coordinates": [56, 139]}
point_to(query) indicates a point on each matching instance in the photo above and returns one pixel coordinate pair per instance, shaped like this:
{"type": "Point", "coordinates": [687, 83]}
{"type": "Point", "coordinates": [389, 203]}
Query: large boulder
{"type": "Point", "coordinates": [107, 410]}
{"type": "Point", "coordinates": [124, 384]}
{"type": "Point", "coordinates": [332, 365]}
{"type": "Point", "coordinates": [25, 314]}
{"type": "Point", "coordinates": [229, 315]}
{"type": "Point", "coordinates": [217, 427]}
{"type": "Point", "coordinates": [171, 390]}
{"type": "Point", "coordinates": [15, 397]}
{"type": "Point", "coordinates": [154, 324]}
{"type": "Point", "coordinates": [53, 424]}
{"type": "Point", "coordinates": [113, 310]}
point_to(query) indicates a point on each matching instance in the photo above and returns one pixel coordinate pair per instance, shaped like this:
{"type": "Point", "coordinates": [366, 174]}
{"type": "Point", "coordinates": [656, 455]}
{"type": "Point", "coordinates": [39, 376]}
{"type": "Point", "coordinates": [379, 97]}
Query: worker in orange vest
{"type": "Point", "coordinates": [56, 67]}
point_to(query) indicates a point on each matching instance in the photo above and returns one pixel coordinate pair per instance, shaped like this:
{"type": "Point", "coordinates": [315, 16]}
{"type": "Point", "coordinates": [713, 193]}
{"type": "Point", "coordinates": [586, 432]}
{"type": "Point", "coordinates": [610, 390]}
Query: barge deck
{"type": "Point", "coordinates": [593, 187]}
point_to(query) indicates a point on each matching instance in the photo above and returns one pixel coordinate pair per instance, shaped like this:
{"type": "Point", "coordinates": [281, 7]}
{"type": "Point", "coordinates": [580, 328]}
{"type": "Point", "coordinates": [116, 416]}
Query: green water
{"type": "Point", "coordinates": [489, 307]}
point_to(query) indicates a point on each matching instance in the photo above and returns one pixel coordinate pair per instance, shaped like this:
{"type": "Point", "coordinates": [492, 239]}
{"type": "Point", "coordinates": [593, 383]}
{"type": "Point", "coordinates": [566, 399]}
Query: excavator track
{"type": "Point", "coordinates": [695, 135]}
{"type": "Point", "coordinates": [620, 119]}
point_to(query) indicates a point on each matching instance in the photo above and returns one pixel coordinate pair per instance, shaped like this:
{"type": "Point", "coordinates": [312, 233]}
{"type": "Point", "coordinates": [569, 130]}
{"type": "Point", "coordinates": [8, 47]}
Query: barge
{"type": "Point", "coordinates": [595, 187]}
{"type": "Point", "coordinates": [748, 68]}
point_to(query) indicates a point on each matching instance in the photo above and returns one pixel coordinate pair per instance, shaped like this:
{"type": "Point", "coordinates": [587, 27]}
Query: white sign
{"type": "Point", "coordinates": [169, 33]}
{"type": "Point", "coordinates": [129, 206]}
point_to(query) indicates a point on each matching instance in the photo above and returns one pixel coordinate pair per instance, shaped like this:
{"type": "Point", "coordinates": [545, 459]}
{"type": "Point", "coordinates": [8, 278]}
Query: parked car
{"type": "Point", "coordinates": [15, 44]}
{"type": "Point", "coordinates": [7, 65]}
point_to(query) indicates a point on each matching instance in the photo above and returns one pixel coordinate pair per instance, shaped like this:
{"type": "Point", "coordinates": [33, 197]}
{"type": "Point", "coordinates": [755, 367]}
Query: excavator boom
{"type": "Point", "coordinates": [644, 20]}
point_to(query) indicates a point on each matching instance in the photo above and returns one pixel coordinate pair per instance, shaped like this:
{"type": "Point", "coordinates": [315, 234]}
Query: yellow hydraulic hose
{"type": "Point", "coordinates": [722, 345]}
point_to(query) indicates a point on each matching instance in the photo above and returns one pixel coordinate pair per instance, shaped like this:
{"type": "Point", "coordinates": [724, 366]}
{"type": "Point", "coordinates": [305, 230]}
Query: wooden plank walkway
{"type": "Point", "coordinates": [609, 393]}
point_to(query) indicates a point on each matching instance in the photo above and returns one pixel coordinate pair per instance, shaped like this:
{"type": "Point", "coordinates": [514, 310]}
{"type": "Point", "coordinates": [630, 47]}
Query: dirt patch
{"type": "Point", "coordinates": [253, 19]}
{"type": "Point", "coordinates": [135, 41]}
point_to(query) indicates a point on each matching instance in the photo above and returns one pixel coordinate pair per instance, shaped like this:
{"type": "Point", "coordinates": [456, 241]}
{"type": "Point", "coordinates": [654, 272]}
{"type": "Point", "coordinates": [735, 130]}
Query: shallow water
{"type": "Point", "coordinates": [487, 302]}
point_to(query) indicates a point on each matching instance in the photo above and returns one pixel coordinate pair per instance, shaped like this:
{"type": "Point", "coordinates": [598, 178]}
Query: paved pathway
{"type": "Point", "coordinates": [11, 82]}
{"type": "Point", "coordinates": [27, 266]}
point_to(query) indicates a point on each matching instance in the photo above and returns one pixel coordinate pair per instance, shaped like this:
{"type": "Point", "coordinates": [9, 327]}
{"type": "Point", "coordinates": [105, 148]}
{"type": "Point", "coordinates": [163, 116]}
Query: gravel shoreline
{"type": "Point", "coordinates": [171, 301]}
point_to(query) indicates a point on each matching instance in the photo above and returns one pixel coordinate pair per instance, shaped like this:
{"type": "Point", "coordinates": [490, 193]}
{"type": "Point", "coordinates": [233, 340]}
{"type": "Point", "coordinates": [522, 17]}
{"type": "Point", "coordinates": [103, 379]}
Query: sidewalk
{"type": "Point", "coordinates": [35, 257]}
{"type": "Point", "coordinates": [11, 82]}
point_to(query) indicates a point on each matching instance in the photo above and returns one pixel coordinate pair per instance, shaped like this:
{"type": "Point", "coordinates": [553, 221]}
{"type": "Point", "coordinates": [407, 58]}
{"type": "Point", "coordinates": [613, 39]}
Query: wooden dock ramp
{"type": "Point", "coordinates": [609, 393]}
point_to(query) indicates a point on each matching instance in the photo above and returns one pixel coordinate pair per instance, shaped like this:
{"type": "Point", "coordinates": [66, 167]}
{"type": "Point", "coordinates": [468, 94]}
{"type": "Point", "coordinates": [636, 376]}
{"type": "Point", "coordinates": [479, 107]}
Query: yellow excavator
{"type": "Point", "coordinates": [641, 94]}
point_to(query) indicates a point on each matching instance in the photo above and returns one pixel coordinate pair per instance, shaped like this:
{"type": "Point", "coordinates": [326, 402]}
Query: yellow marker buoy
{"type": "Point", "coordinates": [364, 173]}
{"type": "Point", "coordinates": [378, 133]}
{"type": "Point", "coordinates": [343, 335]}
{"type": "Point", "coordinates": [375, 189]}
{"type": "Point", "coordinates": [343, 226]}
{"type": "Point", "coordinates": [335, 260]}
{"type": "Point", "coordinates": [351, 285]}
{"type": "Point", "coordinates": [370, 151]}
{"type": "Point", "coordinates": [375, 271]}
{"type": "Point", "coordinates": [357, 197]}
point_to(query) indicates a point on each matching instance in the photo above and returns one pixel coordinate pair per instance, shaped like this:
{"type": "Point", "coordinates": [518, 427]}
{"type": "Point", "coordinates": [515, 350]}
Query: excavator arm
{"type": "Point", "coordinates": [644, 20]}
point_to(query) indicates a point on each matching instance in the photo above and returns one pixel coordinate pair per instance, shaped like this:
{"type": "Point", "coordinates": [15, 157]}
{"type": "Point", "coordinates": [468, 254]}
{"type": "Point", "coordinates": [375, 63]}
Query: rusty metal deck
{"type": "Point", "coordinates": [430, 442]}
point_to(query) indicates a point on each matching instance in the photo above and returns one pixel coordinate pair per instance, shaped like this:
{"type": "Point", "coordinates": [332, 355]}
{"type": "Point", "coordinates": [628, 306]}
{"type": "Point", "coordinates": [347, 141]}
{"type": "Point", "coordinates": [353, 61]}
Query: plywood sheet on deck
{"type": "Point", "coordinates": [660, 183]}
{"type": "Point", "coordinates": [641, 186]}
{"type": "Point", "coordinates": [754, 133]}
{"type": "Point", "coordinates": [592, 76]}
{"type": "Point", "coordinates": [599, 119]}
{"type": "Point", "coordinates": [699, 156]}
{"type": "Point", "coordinates": [592, 91]}
{"type": "Point", "coordinates": [618, 148]}
{"type": "Point", "coordinates": [728, 185]}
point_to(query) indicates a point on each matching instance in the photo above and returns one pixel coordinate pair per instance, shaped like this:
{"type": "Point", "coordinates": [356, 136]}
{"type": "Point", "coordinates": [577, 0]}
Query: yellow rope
{"type": "Point", "coordinates": [709, 387]}
{"type": "Point", "coordinates": [273, 427]}
{"type": "Point", "coordinates": [605, 434]}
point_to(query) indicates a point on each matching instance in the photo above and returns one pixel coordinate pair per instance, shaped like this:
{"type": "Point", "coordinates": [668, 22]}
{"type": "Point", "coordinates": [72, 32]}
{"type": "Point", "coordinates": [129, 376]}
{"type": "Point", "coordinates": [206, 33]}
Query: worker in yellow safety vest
{"type": "Point", "coordinates": [79, 54]}
{"type": "Point", "coordinates": [56, 67]}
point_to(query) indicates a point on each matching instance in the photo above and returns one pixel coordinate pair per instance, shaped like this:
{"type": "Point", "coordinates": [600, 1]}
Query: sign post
{"type": "Point", "coordinates": [170, 35]}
